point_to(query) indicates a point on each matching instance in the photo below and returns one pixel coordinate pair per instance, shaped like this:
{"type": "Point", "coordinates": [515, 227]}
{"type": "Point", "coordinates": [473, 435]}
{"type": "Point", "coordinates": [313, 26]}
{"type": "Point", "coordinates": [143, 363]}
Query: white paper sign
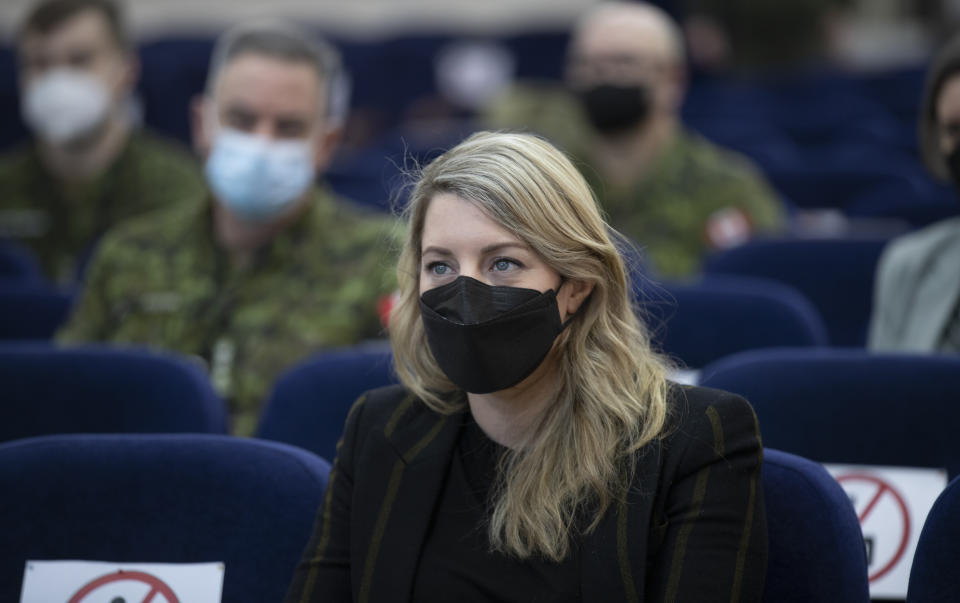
{"type": "Point", "coordinates": [96, 581]}
{"type": "Point", "coordinates": [892, 503]}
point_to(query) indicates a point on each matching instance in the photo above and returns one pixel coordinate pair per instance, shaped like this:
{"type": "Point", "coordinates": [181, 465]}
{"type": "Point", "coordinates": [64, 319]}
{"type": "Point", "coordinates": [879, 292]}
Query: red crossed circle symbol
{"type": "Point", "coordinates": [157, 587]}
{"type": "Point", "coordinates": [883, 488]}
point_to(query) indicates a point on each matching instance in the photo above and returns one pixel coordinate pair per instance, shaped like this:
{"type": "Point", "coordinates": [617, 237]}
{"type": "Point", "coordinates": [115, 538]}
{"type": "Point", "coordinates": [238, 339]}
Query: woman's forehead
{"type": "Point", "coordinates": [452, 221]}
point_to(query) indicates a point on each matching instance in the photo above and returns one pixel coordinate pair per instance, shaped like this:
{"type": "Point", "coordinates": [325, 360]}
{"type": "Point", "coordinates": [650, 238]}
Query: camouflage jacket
{"type": "Point", "coordinates": [61, 226]}
{"type": "Point", "coordinates": [694, 197]}
{"type": "Point", "coordinates": [163, 281]}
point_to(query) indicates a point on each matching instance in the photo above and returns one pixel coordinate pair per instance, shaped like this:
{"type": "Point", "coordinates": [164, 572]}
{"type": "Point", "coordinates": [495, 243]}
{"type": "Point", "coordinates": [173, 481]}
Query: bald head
{"type": "Point", "coordinates": [630, 29]}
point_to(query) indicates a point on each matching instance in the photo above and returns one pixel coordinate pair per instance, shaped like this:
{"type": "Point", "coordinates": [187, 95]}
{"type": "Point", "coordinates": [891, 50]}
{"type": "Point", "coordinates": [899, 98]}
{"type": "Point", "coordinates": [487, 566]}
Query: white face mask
{"type": "Point", "coordinates": [64, 104]}
{"type": "Point", "coordinates": [255, 178]}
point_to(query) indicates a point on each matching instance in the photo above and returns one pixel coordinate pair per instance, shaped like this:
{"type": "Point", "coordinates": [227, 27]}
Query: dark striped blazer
{"type": "Point", "coordinates": [692, 528]}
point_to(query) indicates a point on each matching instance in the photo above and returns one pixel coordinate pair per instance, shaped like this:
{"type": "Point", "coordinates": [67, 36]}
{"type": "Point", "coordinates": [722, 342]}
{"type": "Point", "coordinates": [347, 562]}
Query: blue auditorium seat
{"type": "Point", "coordinates": [700, 322]}
{"type": "Point", "coordinates": [381, 174]}
{"type": "Point", "coordinates": [850, 406]}
{"type": "Point", "coordinates": [173, 71]}
{"type": "Point", "coordinates": [18, 264]}
{"type": "Point", "coordinates": [933, 201]}
{"type": "Point", "coordinates": [839, 175]}
{"type": "Point", "coordinates": [102, 389]}
{"type": "Point", "coordinates": [539, 54]}
{"type": "Point", "coordinates": [12, 128]}
{"type": "Point", "coordinates": [934, 577]}
{"type": "Point", "coordinates": [160, 498]}
{"type": "Point", "coordinates": [835, 274]}
{"type": "Point", "coordinates": [30, 310]}
{"type": "Point", "coordinates": [309, 404]}
{"type": "Point", "coordinates": [820, 109]}
{"type": "Point", "coordinates": [816, 548]}
{"type": "Point", "coordinates": [899, 90]}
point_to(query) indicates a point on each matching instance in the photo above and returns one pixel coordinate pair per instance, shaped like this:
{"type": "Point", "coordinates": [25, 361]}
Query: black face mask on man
{"type": "Point", "coordinates": [612, 109]}
{"type": "Point", "coordinates": [487, 338]}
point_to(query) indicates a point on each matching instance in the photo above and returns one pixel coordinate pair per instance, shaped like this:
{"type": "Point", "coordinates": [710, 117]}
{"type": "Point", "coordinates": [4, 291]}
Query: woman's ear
{"type": "Point", "coordinates": [571, 296]}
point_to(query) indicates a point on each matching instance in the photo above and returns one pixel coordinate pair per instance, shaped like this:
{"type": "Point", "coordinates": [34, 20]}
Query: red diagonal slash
{"type": "Point", "coordinates": [156, 586]}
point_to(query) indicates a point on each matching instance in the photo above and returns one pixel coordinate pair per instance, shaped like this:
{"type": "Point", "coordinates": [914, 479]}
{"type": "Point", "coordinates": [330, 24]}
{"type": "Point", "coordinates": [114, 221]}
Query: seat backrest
{"type": "Point", "coordinates": [160, 498]}
{"type": "Point", "coordinates": [836, 275]}
{"type": "Point", "coordinates": [17, 264]}
{"type": "Point", "coordinates": [934, 577]}
{"type": "Point", "coordinates": [102, 389]}
{"type": "Point", "coordinates": [31, 311]}
{"type": "Point", "coordinates": [850, 406]}
{"type": "Point", "coordinates": [174, 71]}
{"type": "Point", "coordinates": [12, 128]}
{"type": "Point", "coordinates": [309, 404]}
{"type": "Point", "coordinates": [701, 322]}
{"type": "Point", "coordinates": [817, 554]}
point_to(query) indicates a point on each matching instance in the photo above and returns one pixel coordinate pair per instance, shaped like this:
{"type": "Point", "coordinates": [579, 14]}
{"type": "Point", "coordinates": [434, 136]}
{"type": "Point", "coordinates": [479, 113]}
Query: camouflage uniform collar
{"type": "Point", "coordinates": [668, 165]}
{"type": "Point", "coordinates": [284, 246]}
{"type": "Point", "coordinates": [669, 162]}
{"type": "Point", "coordinates": [135, 138]}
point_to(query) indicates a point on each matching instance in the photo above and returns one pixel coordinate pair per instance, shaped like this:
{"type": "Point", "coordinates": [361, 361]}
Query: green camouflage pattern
{"type": "Point", "coordinates": [163, 281]}
{"type": "Point", "coordinates": [667, 211]}
{"type": "Point", "coordinates": [61, 225]}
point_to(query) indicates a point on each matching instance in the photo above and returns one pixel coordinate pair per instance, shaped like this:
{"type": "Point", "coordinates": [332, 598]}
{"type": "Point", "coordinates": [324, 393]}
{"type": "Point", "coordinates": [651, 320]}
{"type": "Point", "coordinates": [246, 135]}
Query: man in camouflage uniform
{"type": "Point", "coordinates": [269, 269]}
{"type": "Point", "coordinates": [89, 166]}
{"type": "Point", "coordinates": [671, 191]}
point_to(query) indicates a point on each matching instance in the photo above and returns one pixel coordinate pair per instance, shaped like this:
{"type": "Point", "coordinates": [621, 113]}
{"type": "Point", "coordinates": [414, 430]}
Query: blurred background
{"type": "Point", "coordinates": [412, 61]}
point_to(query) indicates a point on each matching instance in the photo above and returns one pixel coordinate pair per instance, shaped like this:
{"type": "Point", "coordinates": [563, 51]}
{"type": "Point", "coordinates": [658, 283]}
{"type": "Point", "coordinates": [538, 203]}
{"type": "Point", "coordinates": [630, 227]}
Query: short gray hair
{"type": "Point", "coordinates": [285, 42]}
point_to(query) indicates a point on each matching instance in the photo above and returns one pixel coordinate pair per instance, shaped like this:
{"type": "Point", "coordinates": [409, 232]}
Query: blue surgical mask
{"type": "Point", "coordinates": [257, 178]}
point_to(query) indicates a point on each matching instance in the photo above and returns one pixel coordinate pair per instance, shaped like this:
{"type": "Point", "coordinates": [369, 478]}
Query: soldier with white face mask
{"type": "Point", "coordinates": [267, 267]}
{"type": "Point", "coordinates": [89, 165]}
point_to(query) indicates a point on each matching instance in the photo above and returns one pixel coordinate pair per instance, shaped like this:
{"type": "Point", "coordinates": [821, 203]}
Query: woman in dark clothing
{"type": "Point", "coordinates": [536, 450]}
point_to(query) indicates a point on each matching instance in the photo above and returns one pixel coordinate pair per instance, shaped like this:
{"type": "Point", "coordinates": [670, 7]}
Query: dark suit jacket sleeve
{"type": "Point", "coordinates": [324, 572]}
{"type": "Point", "coordinates": [711, 520]}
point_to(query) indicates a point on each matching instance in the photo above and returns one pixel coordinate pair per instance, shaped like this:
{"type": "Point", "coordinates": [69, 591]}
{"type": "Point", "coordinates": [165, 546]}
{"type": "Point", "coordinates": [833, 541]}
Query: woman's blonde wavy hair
{"type": "Point", "coordinates": [612, 398]}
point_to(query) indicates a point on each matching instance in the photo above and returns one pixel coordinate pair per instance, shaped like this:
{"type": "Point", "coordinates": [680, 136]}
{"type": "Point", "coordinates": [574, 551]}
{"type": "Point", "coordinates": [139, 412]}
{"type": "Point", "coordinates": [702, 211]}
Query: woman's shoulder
{"type": "Point", "coordinates": [705, 423]}
{"type": "Point", "coordinates": [689, 404]}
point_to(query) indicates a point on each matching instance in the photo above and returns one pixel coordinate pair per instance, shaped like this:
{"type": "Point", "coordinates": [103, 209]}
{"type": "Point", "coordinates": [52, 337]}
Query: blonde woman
{"type": "Point", "coordinates": [536, 450]}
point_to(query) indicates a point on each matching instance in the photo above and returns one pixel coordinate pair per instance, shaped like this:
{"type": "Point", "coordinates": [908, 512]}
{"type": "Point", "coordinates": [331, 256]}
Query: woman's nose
{"type": "Point", "coordinates": [476, 274]}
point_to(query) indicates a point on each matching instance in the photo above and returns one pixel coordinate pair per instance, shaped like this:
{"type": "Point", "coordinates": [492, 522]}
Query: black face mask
{"type": "Point", "coordinates": [953, 166]}
{"type": "Point", "coordinates": [485, 338]}
{"type": "Point", "coordinates": [611, 109]}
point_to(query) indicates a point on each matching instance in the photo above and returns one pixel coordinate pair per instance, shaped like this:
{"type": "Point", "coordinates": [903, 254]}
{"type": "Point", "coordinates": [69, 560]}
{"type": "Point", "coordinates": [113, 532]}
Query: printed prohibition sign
{"type": "Point", "coordinates": [884, 490]}
{"type": "Point", "coordinates": [157, 587]}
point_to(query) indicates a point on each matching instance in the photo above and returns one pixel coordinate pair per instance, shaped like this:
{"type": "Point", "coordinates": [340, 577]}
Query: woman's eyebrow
{"type": "Point", "coordinates": [500, 246]}
{"type": "Point", "coordinates": [494, 247]}
{"type": "Point", "coordinates": [437, 250]}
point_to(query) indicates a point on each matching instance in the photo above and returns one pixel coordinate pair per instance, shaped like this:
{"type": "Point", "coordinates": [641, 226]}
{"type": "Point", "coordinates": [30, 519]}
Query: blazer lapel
{"type": "Point", "coordinates": [421, 451]}
{"type": "Point", "coordinates": [613, 557]}
{"type": "Point", "coordinates": [935, 301]}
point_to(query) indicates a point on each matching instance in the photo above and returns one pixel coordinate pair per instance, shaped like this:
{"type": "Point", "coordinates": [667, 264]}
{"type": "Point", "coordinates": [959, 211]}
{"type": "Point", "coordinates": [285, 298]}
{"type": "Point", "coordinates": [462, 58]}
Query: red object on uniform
{"type": "Point", "coordinates": [385, 305]}
{"type": "Point", "coordinates": [727, 228]}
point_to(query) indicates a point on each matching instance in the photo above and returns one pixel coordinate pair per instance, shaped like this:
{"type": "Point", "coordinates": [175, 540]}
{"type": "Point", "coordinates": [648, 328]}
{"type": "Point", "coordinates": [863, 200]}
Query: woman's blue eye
{"type": "Point", "coordinates": [502, 265]}
{"type": "Point", "coordinates": [438, 268]}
